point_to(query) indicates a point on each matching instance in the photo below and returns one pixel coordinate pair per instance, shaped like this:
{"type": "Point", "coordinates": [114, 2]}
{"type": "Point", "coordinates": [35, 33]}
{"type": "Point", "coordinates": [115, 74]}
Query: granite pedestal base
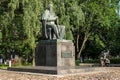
{"type": "Point", "coordinates": [57, 53]}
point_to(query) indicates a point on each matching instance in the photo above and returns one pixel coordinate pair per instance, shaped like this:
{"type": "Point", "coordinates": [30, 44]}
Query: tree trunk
{"type": "Point", "coordinates": [77, 43]}
{"type": "Point", "coordinates": [82, 46]}
{"type": "Point", "coordinates": [33, 55]}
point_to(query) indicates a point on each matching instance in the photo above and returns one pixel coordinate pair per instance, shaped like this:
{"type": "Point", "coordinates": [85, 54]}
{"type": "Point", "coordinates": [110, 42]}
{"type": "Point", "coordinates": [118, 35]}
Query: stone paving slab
{"type": "Point", "coordinates": [58, 70]}
{"type": "Point", "coordinates": [40, 69]}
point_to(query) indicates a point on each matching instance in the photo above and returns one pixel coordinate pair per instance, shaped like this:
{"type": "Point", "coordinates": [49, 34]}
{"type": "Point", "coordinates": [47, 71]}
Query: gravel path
{"type": "Point", "coordinates": [112, 74]}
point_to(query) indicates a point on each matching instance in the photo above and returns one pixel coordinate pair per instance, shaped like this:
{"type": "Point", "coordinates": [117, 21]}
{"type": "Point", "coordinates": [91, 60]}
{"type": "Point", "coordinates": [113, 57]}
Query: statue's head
{"type": "Point", "coordinates": [50, 5]}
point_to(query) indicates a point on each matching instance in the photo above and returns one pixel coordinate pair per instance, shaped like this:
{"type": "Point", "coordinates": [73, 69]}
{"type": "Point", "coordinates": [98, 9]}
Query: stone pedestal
{"type": "Point", "coordinates": [58, 53]}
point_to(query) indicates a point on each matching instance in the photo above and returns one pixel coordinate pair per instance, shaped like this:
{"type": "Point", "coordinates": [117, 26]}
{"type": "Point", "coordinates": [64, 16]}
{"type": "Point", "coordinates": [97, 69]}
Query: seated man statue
{"type": "Point", "coordinates": [50, 27]}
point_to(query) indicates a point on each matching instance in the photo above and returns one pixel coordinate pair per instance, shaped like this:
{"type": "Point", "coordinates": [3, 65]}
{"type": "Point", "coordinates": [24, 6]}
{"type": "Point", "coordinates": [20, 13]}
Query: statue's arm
{"type": "Point", "coordinates": [56, 20]}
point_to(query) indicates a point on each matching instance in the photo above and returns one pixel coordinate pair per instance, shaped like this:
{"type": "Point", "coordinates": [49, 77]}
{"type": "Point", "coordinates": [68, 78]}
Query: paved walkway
{"type": "Point", "coordinates": [112, 73]}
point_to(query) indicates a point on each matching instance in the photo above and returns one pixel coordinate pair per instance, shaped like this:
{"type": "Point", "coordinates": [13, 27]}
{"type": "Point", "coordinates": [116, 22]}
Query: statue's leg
{"type": "Point", "coordinates": [48, 30]}
{"type": "Point", "coordinates": [55, 30]}
{"type": "Point", "coordinates": [50, 33]}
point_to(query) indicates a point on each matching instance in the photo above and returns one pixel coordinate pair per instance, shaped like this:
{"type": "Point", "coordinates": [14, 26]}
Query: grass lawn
{"type": "Point", "coordinates": [2, 66]}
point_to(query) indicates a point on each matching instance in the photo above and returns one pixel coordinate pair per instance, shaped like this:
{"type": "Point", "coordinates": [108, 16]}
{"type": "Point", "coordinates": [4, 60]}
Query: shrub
{"type": "Point", "coordinates": [92, 61]}
{"type": "Point", "coordinates": [77, 62]}
{"type": "Point", "coordinates": [115, 61]}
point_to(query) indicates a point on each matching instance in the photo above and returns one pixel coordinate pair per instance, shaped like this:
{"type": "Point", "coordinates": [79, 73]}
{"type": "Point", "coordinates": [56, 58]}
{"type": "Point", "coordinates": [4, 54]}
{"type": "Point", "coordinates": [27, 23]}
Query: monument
{"type": "Point", "coordinates": [53, 50]}
{"type": "Point", "coordinates": [54, 54]}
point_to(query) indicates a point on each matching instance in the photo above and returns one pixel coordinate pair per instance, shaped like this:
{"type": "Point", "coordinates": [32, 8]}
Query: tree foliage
{"type": "Point", "coordinates": [20, 23]}
{"type": "Point", "coordinates": [93, 25]}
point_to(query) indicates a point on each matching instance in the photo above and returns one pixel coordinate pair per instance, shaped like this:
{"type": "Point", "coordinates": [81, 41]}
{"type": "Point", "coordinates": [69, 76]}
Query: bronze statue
{"type": "Point", "coordinates": [50, 27]}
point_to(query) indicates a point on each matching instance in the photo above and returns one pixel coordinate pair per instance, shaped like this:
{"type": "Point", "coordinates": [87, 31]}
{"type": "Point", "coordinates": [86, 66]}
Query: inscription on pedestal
{"type": "Point", "coordinates": [66, 54]}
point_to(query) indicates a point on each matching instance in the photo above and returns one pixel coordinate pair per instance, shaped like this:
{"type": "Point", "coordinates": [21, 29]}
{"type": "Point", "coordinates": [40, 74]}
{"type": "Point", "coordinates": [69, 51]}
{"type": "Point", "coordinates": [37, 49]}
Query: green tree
{"type": "Point", "coordinates": [99, 17]}
{"type": "Point", "coordinates": [31, 23]}
{"type": "Point", "coordinates": [20, 23]}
